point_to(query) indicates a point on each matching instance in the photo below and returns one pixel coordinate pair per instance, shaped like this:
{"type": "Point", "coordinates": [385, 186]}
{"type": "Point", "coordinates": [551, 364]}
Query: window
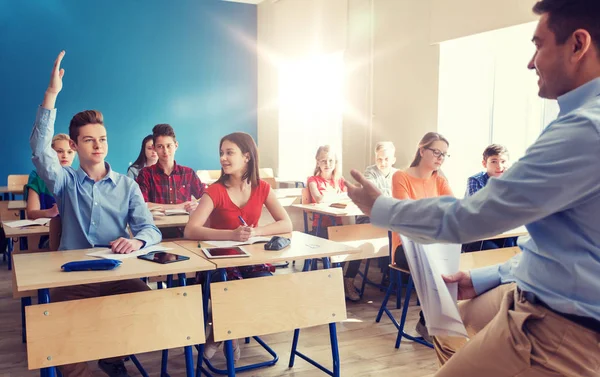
{"type": "Point", "coordinates": [487, 95]}
{"type": "Point", "coordinates": [310, 112]}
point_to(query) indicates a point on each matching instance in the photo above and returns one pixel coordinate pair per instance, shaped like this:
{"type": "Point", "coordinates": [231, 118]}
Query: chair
{"type": "Point", "coordinates": [114, 326]}
{"type": "Point", "coordinates": [17, 181]}
{"type": "Point", "coordinates": [396, 279]}
{"type": "Point", "coordinates": [373, 242]}
{"type": "Point", "coordinates": [294, 301]}
{"type": "Point", "coordinates": [266, 173]}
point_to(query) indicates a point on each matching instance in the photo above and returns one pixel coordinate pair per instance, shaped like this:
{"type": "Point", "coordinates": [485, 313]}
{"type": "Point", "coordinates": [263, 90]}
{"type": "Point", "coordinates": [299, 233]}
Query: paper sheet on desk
{"type": "Point", "coordinates": [438, 300]}
{"type": "Point", "coordinates": [108, 253]}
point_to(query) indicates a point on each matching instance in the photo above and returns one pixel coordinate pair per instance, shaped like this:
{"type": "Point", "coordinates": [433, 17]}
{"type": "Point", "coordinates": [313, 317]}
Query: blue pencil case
{"type": "Point", "coordinates": [91, 265]}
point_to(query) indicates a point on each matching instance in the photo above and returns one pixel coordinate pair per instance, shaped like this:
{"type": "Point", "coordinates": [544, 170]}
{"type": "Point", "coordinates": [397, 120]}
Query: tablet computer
{"type": "Point", "coordinates": [163, 257]}
{"type": "Point", "coordinates": [225, 252]}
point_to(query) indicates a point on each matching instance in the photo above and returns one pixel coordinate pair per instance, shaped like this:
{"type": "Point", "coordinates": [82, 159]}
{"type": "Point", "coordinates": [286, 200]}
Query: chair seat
{"type": "Point", "coordinates": [394, 267]}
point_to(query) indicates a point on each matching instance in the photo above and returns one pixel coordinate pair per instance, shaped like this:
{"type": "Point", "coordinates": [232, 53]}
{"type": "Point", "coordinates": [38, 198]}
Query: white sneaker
{"type": "Point", "coordinates": [210, 349]}
{"type": "Point", "coordinates": [237, 352]}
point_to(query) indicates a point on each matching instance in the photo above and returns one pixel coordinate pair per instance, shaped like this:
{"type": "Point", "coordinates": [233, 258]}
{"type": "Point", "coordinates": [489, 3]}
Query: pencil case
{"type": "Point", "coordinates": [91, 265]}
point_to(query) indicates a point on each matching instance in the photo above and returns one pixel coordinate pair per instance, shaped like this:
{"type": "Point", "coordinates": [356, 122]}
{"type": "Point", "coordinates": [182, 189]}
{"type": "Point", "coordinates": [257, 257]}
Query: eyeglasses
{"type": "Point", "coordinates": [438, 153]}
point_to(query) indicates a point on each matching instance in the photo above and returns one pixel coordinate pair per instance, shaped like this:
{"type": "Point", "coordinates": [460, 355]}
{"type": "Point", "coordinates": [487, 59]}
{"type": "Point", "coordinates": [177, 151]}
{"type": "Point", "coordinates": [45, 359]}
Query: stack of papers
{"type": "Point", "coordinates": [251, 240]}
{"type": "Point", "coordinates": [107, 253]}
{"type": "Point", "coordinates": [23, 223]}
{"type": "Point", "coordinates": [438, 300]}
{"type": "Point", "coordinates": [175, 211]}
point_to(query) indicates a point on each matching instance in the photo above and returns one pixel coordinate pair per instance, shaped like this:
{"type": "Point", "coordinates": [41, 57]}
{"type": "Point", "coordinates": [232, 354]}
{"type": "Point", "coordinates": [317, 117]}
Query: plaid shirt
{"type": "Point", "coordinates": [477, 182]}
{"type": "Point", "coordinates": [157, 187]}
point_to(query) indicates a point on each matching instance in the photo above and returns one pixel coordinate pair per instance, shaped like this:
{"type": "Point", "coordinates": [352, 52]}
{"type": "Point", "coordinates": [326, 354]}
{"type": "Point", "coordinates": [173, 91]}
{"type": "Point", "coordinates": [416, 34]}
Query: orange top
{"type": "Point", "coordinates": [405, 186]}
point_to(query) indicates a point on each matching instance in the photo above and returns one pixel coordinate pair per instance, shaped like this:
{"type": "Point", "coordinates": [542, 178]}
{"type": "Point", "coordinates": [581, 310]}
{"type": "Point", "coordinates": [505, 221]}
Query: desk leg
{"type": "Point", "coordinates": [44, 298]}
{"type": "Point", "coordinates": [9, 250]}
{"type": "Point", "coordinates": [189, 357]}
{"type": "Point", "coordinates": [228, 343]}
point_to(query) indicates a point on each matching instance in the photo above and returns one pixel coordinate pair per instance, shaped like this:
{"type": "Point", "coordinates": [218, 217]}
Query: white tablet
{"type": "Point", "coordinates": [225, 252]}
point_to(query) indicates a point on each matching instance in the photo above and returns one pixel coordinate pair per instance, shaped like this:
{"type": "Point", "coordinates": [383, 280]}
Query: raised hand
{"type": "Point", "coordinates": [56, 83]}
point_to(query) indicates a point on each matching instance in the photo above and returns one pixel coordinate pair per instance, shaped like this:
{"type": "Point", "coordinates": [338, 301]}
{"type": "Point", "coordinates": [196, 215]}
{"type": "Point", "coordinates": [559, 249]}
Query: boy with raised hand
{"type": "Point", "coordinates": [96, 203]}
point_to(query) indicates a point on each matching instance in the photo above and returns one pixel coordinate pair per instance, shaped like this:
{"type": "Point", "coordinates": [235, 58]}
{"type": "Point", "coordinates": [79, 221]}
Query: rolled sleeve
{"type": "Point", "coordinates": [140, 219]}
{"type": "Point", "coordinates": [44, 157]}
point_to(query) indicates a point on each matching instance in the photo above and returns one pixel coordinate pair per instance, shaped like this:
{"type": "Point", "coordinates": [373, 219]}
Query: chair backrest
{"type": "Point", "coordinates": [55, 232]}
{"type": "Point", "coordinates": [271, 181]}
{"type": "Point", "coordinates": [8, 214]}
{"type": "Point", "coordinates": [306, 199]}
{"type": "Point", "coordinates": [113, 326]}
{"type": "Point", "coordinates": [278, 303]}
{"type": "Point", "coordinates": [355, 232]}
{"type": "Point", "coordinates": [18, 180]}
{"type": "Point", "coordinates": [214, 174]}
{"type": "Point", "coordinates": [266, 173]}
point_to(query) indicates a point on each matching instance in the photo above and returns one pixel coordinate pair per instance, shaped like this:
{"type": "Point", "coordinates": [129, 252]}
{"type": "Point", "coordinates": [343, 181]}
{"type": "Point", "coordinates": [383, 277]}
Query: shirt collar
{"type": "Point", "coordinates": [160, 169]}
{"type": "Point", "coordinates": [111, 176]}
{"type": "Point", "coordinates": [579, 96]}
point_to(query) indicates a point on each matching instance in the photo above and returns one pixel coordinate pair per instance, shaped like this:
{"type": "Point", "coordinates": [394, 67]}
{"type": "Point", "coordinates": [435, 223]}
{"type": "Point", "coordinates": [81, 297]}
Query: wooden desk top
{"type": "Point", "coordinates": [326, 209]}
{"type": "Point", "coordinates": [303, 246]}
{"type": "Point", "coordinates": [477, 259]}
{"type": "Point", "coordinates": [171, 221]}
{"type": "Point", "coordinates": [16, 189]}
{"type": "Point", "coordinates": [17, 204]}
{"type": "Point", "coordinates": [42, 270]}
{"type": "Point", "coordinates": [373, 248]}
{"type": "Point", "coordinates": [35, 230]}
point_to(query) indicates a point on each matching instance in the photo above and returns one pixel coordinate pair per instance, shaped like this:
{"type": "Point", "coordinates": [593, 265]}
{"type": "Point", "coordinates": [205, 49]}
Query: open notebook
{"type": "Point", "coordinates": [251, 241]}
{"type": "Point", "coordinates": [23, 223]}
{"type": "Point", "coordinates": [438, 300]}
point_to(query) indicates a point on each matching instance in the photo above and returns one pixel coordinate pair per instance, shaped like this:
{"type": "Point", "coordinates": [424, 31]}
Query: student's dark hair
{"type": "Point", "coordinates": [84, 118]}
{"type": "Point", "coordinates": [426, 141]}
{"type": "Point", "coordinates": [140, 161]}
{"type": "Point", "coordinates": [162, 130]}
{"type": "Point", "coordinates": [494, 150]}
{"type": "Point", "coordinates": [567, 16]}
{"type": "Point", "coordinates": [247, 145]}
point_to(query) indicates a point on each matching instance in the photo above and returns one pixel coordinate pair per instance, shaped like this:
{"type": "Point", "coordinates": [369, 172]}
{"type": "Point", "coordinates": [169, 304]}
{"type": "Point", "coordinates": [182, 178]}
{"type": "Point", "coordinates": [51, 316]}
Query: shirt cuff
{"type": "Point", "coordinates": [485, 278]}
{"type": "Point", "coordinates": [380, 213]}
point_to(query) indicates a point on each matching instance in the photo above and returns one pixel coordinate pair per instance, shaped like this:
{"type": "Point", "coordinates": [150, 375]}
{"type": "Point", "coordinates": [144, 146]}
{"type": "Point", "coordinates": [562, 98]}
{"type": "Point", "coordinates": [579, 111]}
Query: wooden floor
{"type": "Point", "coordinates": [366, 347]}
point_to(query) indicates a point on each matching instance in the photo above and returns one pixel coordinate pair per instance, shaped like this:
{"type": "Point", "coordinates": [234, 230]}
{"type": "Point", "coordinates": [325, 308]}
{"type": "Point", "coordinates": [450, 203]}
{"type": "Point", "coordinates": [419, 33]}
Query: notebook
{"type": "Point", "coordinates": [24, 223]}
{"type": "Point", "coordinates": [251, 241]}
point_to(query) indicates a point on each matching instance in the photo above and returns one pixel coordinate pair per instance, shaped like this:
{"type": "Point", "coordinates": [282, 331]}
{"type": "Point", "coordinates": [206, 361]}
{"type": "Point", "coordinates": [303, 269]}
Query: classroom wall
{"type": "Point", "coordinates": [392, 64]}
{"type": "Point", "coordinates": [189, 63]}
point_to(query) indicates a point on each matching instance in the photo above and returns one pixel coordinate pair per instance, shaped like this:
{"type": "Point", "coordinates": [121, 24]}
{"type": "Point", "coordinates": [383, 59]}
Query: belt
{"type": "Point", "coordinates": [587, 322]}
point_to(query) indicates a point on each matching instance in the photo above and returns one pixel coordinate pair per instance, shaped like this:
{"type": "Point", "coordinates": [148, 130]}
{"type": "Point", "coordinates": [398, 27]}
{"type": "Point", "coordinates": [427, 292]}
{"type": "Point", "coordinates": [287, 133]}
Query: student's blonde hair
{"type": "Point", "coordinates": [59, 137]}
{"type": "Point", "coordinates": [337, 171]}
{"type": "Point", "coordinates": [385, 146]}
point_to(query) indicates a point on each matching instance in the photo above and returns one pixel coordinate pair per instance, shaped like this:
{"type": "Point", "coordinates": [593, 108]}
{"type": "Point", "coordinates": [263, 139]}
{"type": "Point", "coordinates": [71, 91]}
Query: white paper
{"type": "Point", "coordinates": [23, 223]}
{"type": "Point", "coordinates": [251, 240]}
{"type": "Point", "coordinates": [438, 300]}
{"type": "Point", "coordinates": [175, 211]}
{"type": "Point", "coordinates": [108, 253]}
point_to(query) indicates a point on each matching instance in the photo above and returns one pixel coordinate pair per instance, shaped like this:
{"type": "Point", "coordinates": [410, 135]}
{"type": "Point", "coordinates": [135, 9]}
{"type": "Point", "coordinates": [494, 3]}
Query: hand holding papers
{"type": "Point", "coordinates": [427, 264]}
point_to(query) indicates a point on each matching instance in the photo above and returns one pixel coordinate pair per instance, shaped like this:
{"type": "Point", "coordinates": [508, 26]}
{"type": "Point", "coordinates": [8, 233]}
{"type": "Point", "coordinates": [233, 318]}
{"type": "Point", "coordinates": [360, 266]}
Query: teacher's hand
{"type": "Point", "coordinates": [364, 194]}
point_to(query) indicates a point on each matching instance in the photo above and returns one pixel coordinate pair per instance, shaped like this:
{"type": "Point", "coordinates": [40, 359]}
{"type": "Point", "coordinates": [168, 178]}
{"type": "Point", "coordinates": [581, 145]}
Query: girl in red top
{"type": "Point", "coordinates": [238, 192]}
{"type": "Point", "coordinates": [326, 184]}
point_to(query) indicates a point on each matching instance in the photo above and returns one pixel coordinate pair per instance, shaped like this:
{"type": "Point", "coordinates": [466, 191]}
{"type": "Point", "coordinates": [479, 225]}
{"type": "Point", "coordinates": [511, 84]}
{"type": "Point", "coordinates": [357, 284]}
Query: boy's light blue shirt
{"type": "Point", "coordinates": [92, 213]}
{"type": "Point", "coordinates": [554, 190]}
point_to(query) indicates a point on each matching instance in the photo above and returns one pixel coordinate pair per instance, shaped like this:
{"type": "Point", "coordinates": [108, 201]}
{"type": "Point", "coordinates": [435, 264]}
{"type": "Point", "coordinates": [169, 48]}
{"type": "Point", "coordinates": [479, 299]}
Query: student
{"type": "Point", "coordinates": [231, 207]}
{"type": "Point", "coordinates": [147, 157]}
{"type": "Point", "coordinates": [495, 162]}
{"type": "Point", "coordinates": [167, 184]}
{"type": "Point", "coordinates": [381, 173]}
{"type": "Point", "coordinates": [537, 314]}
{"type": "Point", "coordinates": [326, 184]}
{"type": "Point", "coordinates": [40, 202]}
{"type": "Point", "coordinates": [96, 203]}
{"type": "Point", "coordinates": [421, 180]}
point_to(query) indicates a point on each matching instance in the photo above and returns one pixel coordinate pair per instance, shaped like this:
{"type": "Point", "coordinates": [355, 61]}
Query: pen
{"type": "Point", "coordinates": [107, 246]}
{"type": "Point", "coordinates": [242, 221]}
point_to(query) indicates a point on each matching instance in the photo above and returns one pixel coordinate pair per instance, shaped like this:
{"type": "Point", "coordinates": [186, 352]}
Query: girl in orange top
{"type": "Point", "coordinates": [421, 180]}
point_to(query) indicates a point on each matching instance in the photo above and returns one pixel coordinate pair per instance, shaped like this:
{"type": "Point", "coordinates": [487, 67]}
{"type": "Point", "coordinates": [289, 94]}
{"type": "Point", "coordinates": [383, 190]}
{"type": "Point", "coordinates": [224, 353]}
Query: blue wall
{"type": "Point", "coordinates": [190, 63]}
